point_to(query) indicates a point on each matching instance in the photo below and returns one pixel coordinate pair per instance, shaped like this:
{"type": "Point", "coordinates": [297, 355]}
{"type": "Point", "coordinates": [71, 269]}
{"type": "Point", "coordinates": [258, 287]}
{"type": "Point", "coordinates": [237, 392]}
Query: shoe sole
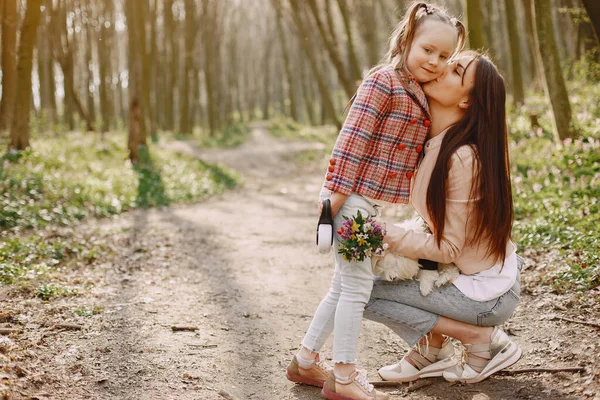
{"type": "Point", "coordinates": [422, 374]}
{"type": "Point", "coordinates": [328, 394]}
{"type": "Point", "coordinates": [303, 380]}
{"type": "Point", "coordinates": [505, 364]}
{"type": "Point", "coordinates": [486, 373]}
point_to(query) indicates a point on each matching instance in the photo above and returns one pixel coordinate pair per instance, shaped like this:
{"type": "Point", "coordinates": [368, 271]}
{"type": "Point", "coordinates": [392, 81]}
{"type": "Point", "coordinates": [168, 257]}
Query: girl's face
{"type": "Point", "coordinates": [452, 88]}
{"type": "Point", "coordinates": [432, 45]}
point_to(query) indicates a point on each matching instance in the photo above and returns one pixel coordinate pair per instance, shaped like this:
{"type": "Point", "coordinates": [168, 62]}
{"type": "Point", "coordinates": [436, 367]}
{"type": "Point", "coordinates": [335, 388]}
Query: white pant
{"type": "Point", "coordinates": [341, 311]}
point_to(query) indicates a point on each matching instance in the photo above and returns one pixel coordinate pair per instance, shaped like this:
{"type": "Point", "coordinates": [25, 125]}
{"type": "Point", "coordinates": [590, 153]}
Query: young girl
{"type": "Point", "coordinates": [372, 163]}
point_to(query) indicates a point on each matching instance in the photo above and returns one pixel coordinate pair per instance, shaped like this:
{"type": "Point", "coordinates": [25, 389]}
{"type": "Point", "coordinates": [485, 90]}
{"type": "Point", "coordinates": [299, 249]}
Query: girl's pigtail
{"type": "Point", "coordinates": [462, 35]}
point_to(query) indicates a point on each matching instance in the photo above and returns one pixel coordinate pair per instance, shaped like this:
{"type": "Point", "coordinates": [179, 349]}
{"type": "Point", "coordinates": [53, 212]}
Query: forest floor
{"type": "Point", "coordinates": [244, 270]}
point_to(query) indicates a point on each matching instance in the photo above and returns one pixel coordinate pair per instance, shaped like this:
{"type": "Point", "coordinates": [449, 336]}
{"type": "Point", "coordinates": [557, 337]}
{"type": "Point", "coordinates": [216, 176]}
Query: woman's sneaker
{"type": "Point", "coordinates": [315, 375]}
{"type": "Point", "coordinates": [357, 387]}
{"type": "Point", "coordinates": [483, 360]}
{"type": "Point", "coordinates": [421, 362]}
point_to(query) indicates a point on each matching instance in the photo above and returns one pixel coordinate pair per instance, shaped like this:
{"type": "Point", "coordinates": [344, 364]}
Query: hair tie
{"type": "Point", "coordinates": [428, 9]}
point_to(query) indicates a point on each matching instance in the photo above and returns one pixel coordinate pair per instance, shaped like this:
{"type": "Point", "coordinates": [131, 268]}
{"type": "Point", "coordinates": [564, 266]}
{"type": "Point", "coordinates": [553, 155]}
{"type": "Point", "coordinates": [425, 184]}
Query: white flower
{"type": "Point", "coordinates": [385, 246]}
{"type": "Point", "coordinates": [367, 227]}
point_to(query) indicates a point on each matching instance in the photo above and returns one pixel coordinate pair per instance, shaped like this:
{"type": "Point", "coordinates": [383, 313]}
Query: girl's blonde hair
{"type": "Point", "coordinates": [404, 33]}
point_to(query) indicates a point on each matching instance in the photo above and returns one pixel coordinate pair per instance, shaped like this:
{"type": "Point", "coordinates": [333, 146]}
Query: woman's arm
{"type": "Point", "coordinates": [415, 244]}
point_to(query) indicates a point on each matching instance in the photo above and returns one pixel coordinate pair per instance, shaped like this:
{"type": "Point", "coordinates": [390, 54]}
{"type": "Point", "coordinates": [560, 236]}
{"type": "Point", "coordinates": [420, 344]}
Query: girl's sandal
{"type": "Point", "coordinates": [418, 364]}
{"type": "Point", "coordinates": [483, 360]}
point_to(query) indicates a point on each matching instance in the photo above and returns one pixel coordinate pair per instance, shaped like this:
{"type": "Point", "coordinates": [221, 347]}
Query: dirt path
{"type": "Point", "coordinates": [244, 270]}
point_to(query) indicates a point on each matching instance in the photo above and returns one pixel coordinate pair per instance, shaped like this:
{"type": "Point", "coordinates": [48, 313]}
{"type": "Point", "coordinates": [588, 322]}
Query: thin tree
{"type": "Point", "coordinates": [368, 25]}
{"type": "Point", "coordinates": [137, 127]}
{"type": "Point", "coordinates": [554, 83]}
{"type": "Point", "coordinates": [315, 67]}
{"type": "Point", "coordinates": [515, 53]}
{"type": "Point", "coordinates": [190, 36]}
{"type": "Point", "coordinates": [355, 69]}
{"type": "Point", "coordinates": [474, 24]}
{"type": "Point", "coordinates": [9, 62]}
{"type": "Point", "coordinates": [291, 82]}
{"type": "Point", "coordinates": [332, 50]}
{"type": "Point", "coordinates": [209, 29]}
{"type": "Point", "coordinates": [104, 63]}
{"type": "Point", "coordinates": [593, 10]}
{"type": "Point", "coordinates": [19, 133]}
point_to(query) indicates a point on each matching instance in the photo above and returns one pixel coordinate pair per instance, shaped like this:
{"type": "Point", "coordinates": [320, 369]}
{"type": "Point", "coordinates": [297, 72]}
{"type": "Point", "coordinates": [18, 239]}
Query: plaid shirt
{"type": "Point", "coordinates": [377, 150]}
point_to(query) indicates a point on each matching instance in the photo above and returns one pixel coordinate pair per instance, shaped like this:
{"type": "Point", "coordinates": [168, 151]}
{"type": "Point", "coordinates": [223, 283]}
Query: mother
{"type": "Point", "coordinates": [462, 190]}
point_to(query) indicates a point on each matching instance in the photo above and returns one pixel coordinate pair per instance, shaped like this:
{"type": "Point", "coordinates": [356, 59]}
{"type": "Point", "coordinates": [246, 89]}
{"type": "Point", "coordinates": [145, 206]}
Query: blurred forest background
{"type": "Point", "coordinates": [89, 83]}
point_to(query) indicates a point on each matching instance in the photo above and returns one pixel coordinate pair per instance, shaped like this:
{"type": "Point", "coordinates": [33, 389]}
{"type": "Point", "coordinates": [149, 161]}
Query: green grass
{"type": "Point", "coordinates": [32, 257]}
{"type": "Point", "coordinates": [68, 177]}
{"type": "Point", "coordinates": [556, 193]}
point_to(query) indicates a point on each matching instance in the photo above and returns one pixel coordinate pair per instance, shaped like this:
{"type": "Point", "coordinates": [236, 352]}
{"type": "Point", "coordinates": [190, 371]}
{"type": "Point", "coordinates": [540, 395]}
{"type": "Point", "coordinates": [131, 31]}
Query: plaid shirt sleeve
{"type": "Point", "coordinates": [369, 107]}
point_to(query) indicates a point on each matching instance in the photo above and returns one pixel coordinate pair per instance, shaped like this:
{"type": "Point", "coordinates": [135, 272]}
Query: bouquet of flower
{"type": "Point", "coordinates": [361, 238]}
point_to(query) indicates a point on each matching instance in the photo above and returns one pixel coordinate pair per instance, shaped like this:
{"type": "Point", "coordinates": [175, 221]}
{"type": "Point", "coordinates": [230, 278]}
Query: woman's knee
{"type": "Point", "coordinates": [501, 311]}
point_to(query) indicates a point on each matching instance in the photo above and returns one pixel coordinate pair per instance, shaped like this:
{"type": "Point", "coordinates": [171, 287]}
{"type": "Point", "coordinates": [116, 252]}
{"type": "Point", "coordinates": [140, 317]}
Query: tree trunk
{"type": "Point", "coordinates": [316, 70]}
{"type": "Point", "coordinates": [593, 10]}
{"type": "Point", "coordinates": [10, 20]}
{"type": "Point", "coordinates": [45, 68]}
{"type": "Point", "coordinates": [331, 48]}
{"type": "Point", "coordinates": [554, 84]}
{"type": "Point", "coordinates": [474, 24]}
{"type": "Point", "coordinates": [308, 97]}
{"type": "Point", "coordinates": [137, 132]}
{"type": "Point", "coordinates": [286, 61]}
{"type": "Point", "coordinates": [515, 53]}
{"type": "Point", "coordinates": [356, 71]}
{"type": "Point", "coordinates": [208, 29]}
{"type": "Point", "coordinates": [190, 33]}
{"type": "Point", "coordinates": [170, 63]}
{"type": "Point", "coordinates": [536, 70]}
{"type": "Point", "coordinates": [19, 133]}
{"type": "Point", "coordinates": [368, 24]}
{"type": "Point", "coordinates": [153, 80]}
{"type": "Point", "coordinates": [91, 103]}
{"type": "Point", "coordinates": [104, 66]}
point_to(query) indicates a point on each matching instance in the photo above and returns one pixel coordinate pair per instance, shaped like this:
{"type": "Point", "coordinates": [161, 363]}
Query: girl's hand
{"type": "Point", "coordinates": [337, 201]}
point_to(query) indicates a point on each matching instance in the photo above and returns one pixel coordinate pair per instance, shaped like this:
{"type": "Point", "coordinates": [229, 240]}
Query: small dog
{"type": "Point", "coordinates": [394, 267]}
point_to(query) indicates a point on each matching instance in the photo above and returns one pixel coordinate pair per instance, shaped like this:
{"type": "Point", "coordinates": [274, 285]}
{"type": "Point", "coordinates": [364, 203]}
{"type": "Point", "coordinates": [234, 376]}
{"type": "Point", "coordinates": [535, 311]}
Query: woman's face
{"type": "Point", "coordinates": [452, 88]}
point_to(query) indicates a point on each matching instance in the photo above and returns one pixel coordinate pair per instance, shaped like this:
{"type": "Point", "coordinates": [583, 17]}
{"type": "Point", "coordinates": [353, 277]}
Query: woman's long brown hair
{"type": "Point", "coordinates": [484, 128]}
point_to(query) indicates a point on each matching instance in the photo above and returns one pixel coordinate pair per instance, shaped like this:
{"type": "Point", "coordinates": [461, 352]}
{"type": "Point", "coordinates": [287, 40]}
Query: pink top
{"type": "Point", "coordinates": [470, 258]}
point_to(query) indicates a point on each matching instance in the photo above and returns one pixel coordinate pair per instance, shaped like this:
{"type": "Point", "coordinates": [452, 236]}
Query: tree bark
{"type": "Point", "coordinates": [104, 64]}
{"type": "Point", "coordinates": [593, 10]}
{"type": "Point", "coordinates": [91, 102]}
{"type": "Point", "coordinates": [368, 24]}
{"type": "Point", "coordinates": [153, 79]}
{"type": "Point", "coordinates": [515, 53]}
{"type": "Point", "coordinates": [536, 70]}
{"type": "Point", "coordinates": [316, 70]}
{"type": "Point", "coordinates": [45, 68]}
{"type": "Point", "coordinates": [331, 49]}
{"type": "Point", "coordinates": [474, 24]}
{"type": "Point", "coordinates": [137, 132]}
{"type": "Point", "coordinates": [356, 71]}
{"type": "Point", "coordinates": [19, 133]}
{"type": "Point", "coordinates": [210, 59]}
{"type": "Point", "coordinates": [554, 84]}
{"type": "Point", "coordinates": [170, 64]}
{"type": "Point", "coordinates": [291, 84]}
{"type": "Point", "coordinates": [190, 33]}
{"type": "Point", "coordinates": [10, 20]}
